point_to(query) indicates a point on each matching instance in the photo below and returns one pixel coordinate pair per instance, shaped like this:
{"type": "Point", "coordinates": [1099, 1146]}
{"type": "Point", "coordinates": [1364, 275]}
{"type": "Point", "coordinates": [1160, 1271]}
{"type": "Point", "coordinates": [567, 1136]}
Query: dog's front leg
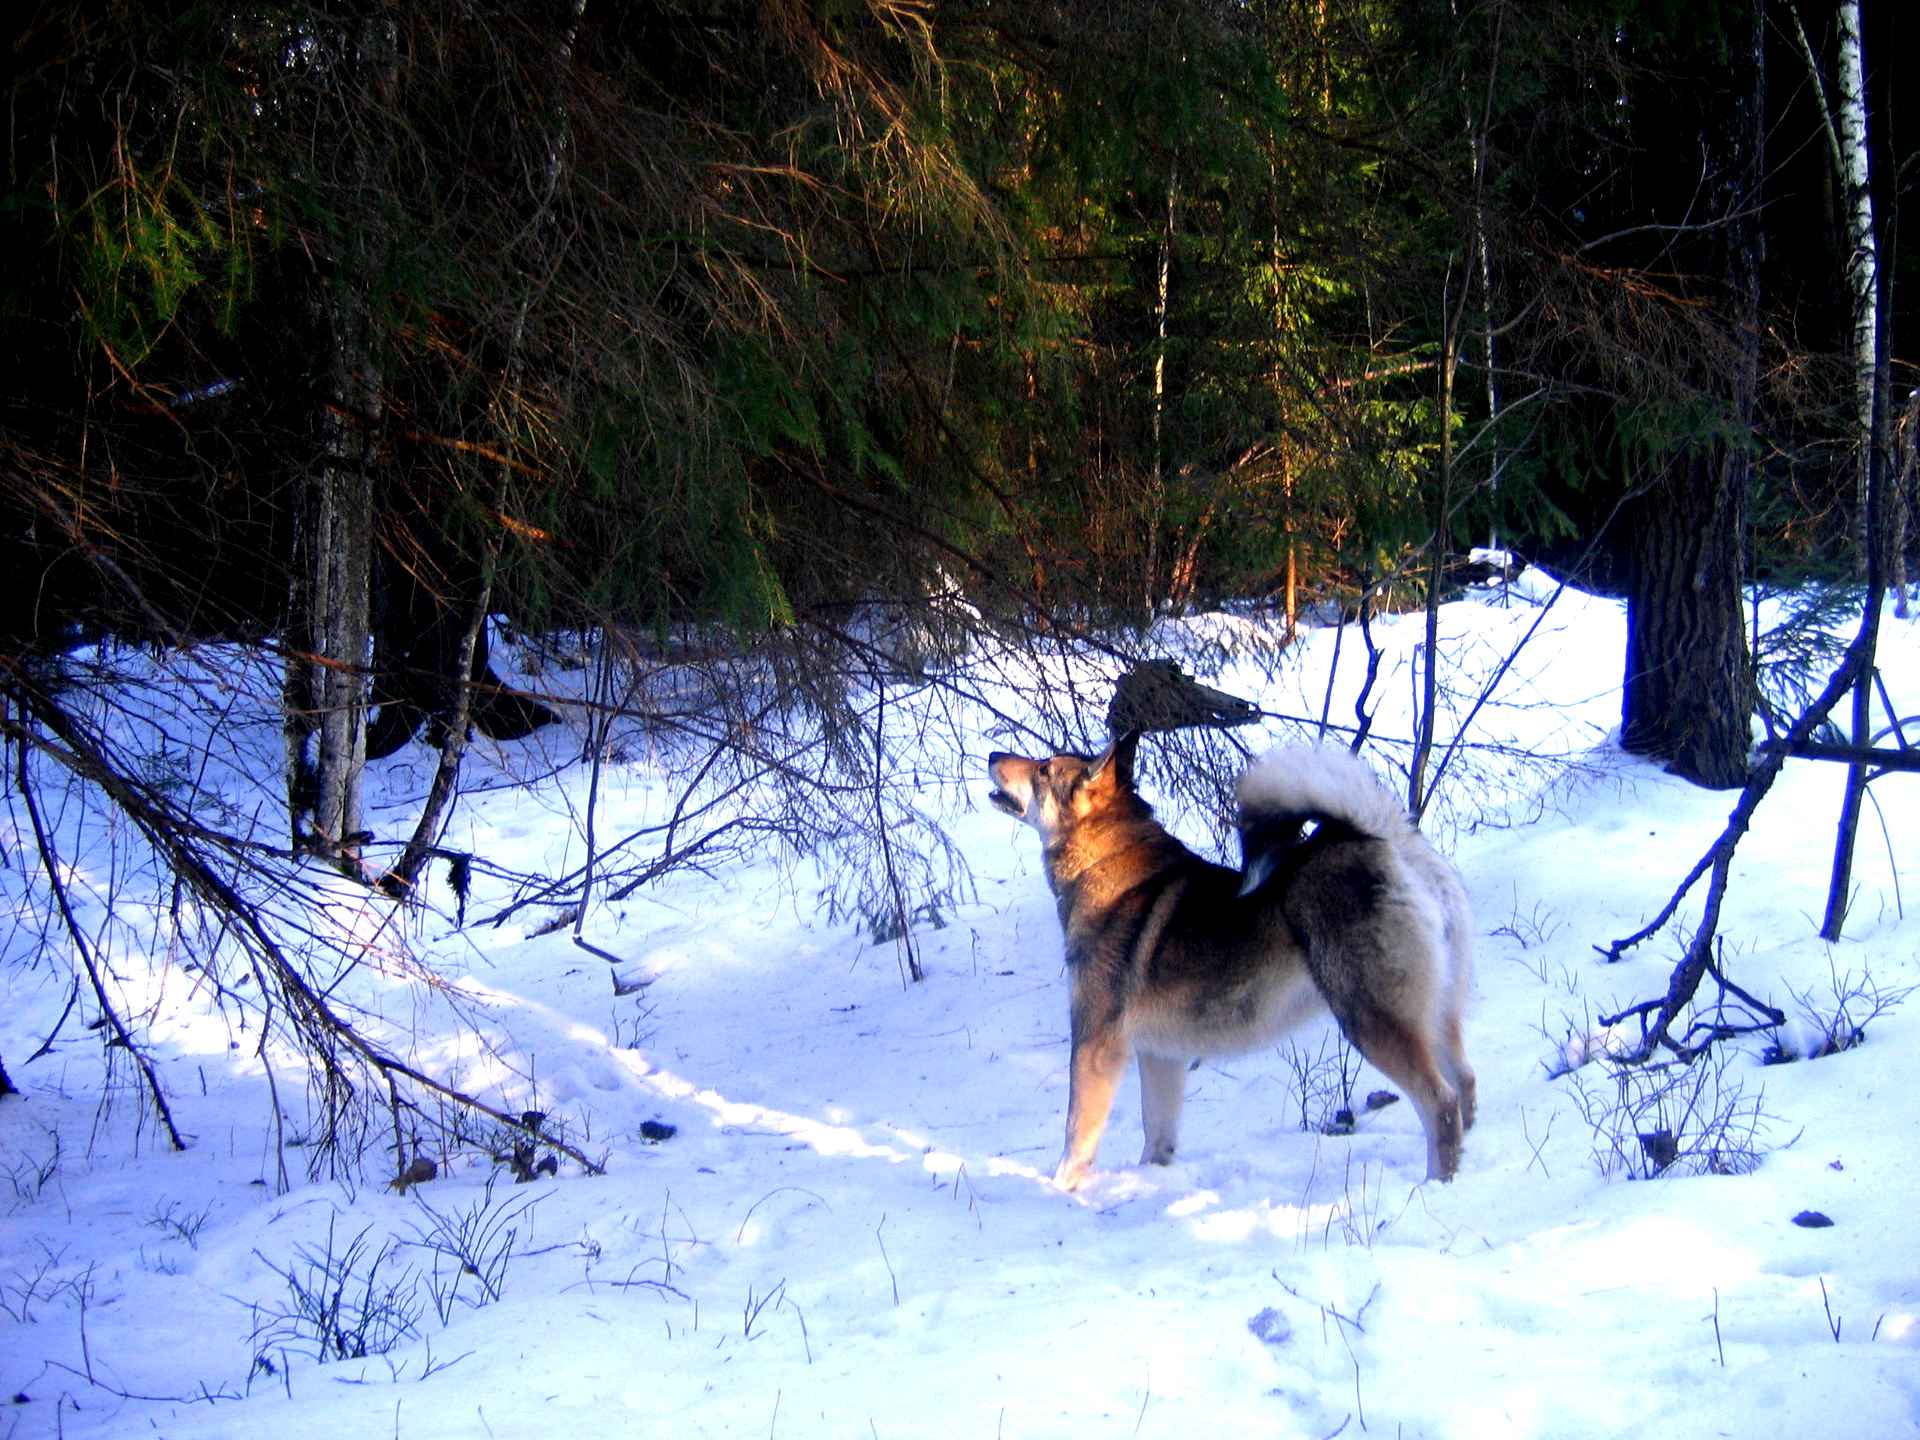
{"type": "Point", "coordinates": [1100, 1055]}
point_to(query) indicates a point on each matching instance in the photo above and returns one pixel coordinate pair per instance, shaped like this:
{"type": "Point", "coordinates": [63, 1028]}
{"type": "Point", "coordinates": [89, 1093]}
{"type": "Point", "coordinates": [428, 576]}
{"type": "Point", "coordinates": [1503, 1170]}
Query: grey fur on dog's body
{"type": "Point", "coordinates": [1173, 957]}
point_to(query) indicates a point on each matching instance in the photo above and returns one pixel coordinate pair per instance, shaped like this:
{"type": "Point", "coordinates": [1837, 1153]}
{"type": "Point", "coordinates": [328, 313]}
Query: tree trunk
{"type": "Point", "coordinates": [1862, 258]}
{"type": "Point", "coordinates": [1904, 495]}
{"type": "Point", "coordinates": [1689, 687]}
{"type": "Point", "coordinates": [330, 627]}
{"type": "Point", "coordinates": [400, 880]}
{"type": "Point", "coordinates": [1429, 691]}
{"type": "Point", "coordinates": [1872, 390]}
{"type": "Point", "coordinates": [1293, 547]}
{"type": "Point", "coordinates": [330, 614]}
{"type": "Point", "coordinates": [1157, 502]}
{"type": "Point", "coordinates": [1483, 252]}
{"type": "Point", "coordinates": [1689, 684]}
{"type": "Point", "coordinates": [1276, 260]}
{"type": "Point", "coordinates": [1839, 884]}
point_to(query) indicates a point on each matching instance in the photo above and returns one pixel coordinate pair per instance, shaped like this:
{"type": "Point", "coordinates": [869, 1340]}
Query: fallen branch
{"type": "Point", "coordinates": [52, 868]}
{"type": "Point", "coordinates": [183, 847]}
{"type": "Point", "coordinates": [1718, 859]}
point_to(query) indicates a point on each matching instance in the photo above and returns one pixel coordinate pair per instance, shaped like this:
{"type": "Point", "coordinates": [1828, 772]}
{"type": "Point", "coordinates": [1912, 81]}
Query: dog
{"type": "Point", "coordinates": [1340, 904]}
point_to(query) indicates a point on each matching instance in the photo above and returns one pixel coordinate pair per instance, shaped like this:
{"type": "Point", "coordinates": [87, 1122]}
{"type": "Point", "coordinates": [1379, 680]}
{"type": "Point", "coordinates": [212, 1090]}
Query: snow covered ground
{"type": "Point", "coordinates": [849, 1231]}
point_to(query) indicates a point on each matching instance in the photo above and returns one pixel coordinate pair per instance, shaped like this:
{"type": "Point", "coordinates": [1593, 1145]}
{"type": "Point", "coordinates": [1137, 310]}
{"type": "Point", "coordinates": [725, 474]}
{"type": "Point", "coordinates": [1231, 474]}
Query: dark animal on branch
{"type": "Point", "coordinates": [1158, 695]}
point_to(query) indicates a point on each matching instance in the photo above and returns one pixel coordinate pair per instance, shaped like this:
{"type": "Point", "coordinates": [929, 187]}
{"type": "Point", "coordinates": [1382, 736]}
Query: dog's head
{"type": "Point", "coordinates": [1052, 794]}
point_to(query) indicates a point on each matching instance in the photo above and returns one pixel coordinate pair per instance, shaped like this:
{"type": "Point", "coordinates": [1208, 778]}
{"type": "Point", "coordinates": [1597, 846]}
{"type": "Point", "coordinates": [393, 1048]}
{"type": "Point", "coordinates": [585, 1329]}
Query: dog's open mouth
{"type": "Point", "coordinates": [1012, 783]}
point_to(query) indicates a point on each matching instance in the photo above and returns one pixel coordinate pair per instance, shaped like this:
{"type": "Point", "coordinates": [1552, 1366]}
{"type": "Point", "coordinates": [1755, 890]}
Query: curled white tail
{"type": "Point", "coordinates": [1321, 781]}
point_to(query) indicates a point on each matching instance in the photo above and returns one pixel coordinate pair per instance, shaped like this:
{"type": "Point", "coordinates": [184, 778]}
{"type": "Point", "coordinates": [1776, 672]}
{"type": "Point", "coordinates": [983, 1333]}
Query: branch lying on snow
{"type": "Point", "coordinates": [194, 854]}
{"type": "Point", "coordinates": [1718, 859]}
{"type": "Point", "coordinates": [122, 1036]}
{"type": "Point", "coordinates": [1760, 1018]}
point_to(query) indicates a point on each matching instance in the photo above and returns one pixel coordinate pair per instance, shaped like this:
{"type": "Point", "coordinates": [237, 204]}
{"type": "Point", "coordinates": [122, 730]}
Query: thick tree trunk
{"type": "Point", "coordinates": [1689, 684]}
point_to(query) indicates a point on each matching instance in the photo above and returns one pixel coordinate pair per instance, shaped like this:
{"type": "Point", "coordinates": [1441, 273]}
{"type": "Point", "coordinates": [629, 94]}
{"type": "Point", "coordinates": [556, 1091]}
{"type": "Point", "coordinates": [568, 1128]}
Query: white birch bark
{"type": "Point", "coordinates": [1863, 278]}
{"type": "Point", "coordinates": [1160, 320]}
{"type": "Point", "coordinates": [1862, 260]}
{"type": "Point", "coordinates": [1157, 517]}
{"type": "Point", "coordinates": [1484, 253]}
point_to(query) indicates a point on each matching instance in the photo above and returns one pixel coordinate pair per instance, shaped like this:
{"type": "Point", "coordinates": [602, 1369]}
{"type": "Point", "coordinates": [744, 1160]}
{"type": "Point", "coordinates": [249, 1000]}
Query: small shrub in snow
{"type": "Point", "coordinates": [1670, 1117]}
{"type": "Point", "coordinates": [1531, 931]}
{"type": "Point", "coordinates": [476, 1243]}
{"type": "Point", "coordinates": [22, 1290]}
{"type": "Point", "coordinates": [340, 1304]}
{"type": "Point", "coordinates": [180, 1221]}
{"type": "Point", "coordinates": [1836, 1021]}
{"type": "Point", "coordinates": [1323, 1080]}
{"type": "Point", "coordinates": [28, 1176]}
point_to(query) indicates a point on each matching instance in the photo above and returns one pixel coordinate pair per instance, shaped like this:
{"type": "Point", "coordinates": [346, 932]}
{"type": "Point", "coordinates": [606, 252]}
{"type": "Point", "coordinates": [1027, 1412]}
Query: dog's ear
{"type": "Point", "coordinates": [1118, 759]}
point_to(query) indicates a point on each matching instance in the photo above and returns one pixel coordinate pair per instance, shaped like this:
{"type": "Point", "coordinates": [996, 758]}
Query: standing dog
{"type": "Point", "coordinates": [1173, 957]}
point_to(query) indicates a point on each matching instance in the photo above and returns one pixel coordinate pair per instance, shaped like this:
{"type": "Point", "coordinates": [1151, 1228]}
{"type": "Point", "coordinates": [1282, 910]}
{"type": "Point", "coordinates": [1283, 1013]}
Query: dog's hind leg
{"type": "Point", "coordinates": [1163, 1089]}
{"type": "Point", "coordinates": [1100, 1055]}
{"type": "Point", "coordinates": [1403, 1053]}
{"type": "Point", "coordinates": [1458, 1070]}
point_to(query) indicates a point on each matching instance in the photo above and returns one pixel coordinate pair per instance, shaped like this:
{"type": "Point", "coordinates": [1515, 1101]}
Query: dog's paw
{"type": "Point", "coordinates": [1070, 1175]}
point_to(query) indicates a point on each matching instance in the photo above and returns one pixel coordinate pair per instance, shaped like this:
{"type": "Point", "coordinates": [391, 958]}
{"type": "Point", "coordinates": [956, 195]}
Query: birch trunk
{"type": "Point", "coordinates": [1862, 260]}
{"type": "Point", "coordinates": [1483, 251]}
{"type": "Point", "coordinates": [1429, 692]}
{"type": "Point", "coordinates": [1156, 517]}
{"type": "Point", "coordinates": [1871, 405]}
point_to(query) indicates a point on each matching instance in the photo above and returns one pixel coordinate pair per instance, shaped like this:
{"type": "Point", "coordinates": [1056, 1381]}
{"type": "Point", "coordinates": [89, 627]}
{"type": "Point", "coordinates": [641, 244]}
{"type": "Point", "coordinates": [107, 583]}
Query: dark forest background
{"type": "Point", "coordinates": [336, 327]}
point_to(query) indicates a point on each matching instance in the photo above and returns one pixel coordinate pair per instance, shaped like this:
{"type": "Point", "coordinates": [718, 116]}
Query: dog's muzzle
{"type": "Point", "coordinates": [1000, 798]}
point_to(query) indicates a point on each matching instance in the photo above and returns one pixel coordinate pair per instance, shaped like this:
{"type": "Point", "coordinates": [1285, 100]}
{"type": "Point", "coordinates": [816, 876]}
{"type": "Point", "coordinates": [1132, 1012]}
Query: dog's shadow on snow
{"type": "Point", "coordinates": [1272, 1183]}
